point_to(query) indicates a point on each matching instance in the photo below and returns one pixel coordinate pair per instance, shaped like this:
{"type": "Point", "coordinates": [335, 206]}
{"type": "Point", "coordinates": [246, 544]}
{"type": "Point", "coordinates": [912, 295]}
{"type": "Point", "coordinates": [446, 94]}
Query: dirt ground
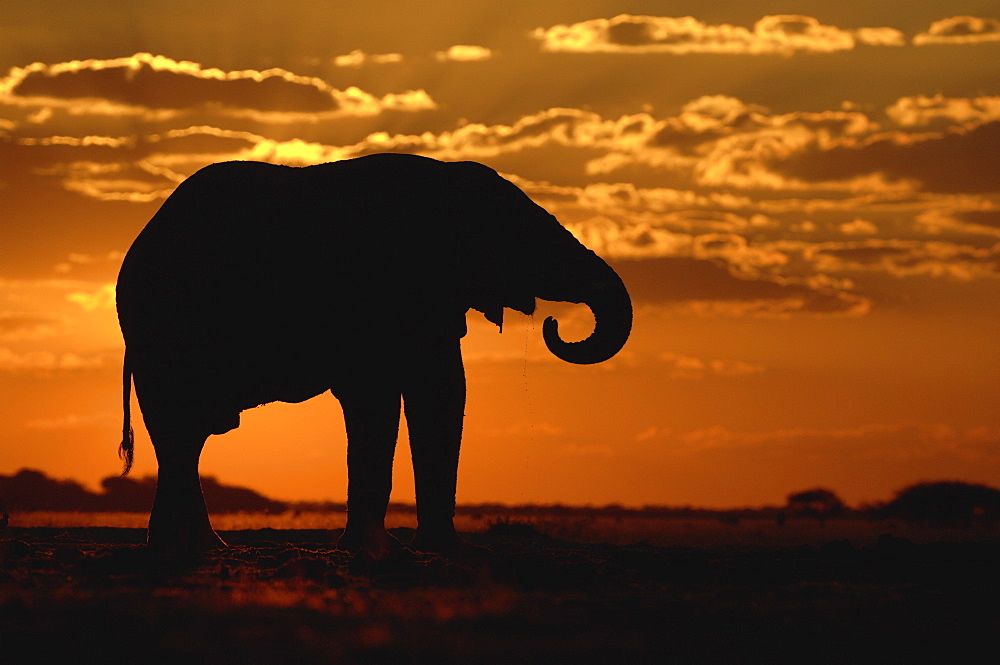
{"type": "Point", "coordinates": [286, 596]}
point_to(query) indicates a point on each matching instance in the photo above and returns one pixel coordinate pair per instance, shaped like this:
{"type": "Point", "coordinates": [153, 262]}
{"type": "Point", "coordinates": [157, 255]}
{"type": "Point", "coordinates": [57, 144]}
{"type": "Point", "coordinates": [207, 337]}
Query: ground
{"type": "Point", "coordinates": [286, 596]}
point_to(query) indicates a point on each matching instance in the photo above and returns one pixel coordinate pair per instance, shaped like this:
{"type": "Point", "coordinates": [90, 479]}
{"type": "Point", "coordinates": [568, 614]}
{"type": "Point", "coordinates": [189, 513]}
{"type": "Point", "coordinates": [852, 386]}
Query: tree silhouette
{"type": "Point", "coordinates": [818, 503]}
{"type": "Point", "coordinates": [33, 490]}
{"type": "Point", "coordinates": [945, 502]}
{"type": "Point", "coordinates": [29, 489]}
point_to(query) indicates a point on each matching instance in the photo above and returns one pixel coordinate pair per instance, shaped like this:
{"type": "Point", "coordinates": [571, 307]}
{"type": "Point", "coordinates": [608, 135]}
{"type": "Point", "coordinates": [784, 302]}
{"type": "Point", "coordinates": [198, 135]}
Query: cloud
{"type": "Point", "coordinates": [464, 53]}
{"type": "Point", "coordinates": [706, 288]}
{"type": "Point", "coordinates": [908, 258]}
{"type": "Point", "coordinates": [587, 450]}
{"type": "Point", "coordinates": [54, 324]}
{"type": "Point", "coordinates": [46, 361]}
{"type": "Point", "coordinates": [858, 227]}
{"type": "Point", "coordinates": [982, 220]}
{"type": "Point", "coordinates": [880, 36]}
{"type": "Point", "coordinates": [102, 298]}
{"type": "Point", "coordinates": [715, 141]}
{"type": "Point", "coordinates": [892, 442]}
{"type": "Point", "coordinates": [523, 429]}
{"type": "Point", "coordinates": [780, 34]}
{"type": "Point", "coordinates": [76, 262]}
{"type": "Point", "coordinates": [957, 160]}
{"type": "Point", "coordinates": [941, 111]}
{"type": "Point", "coordinates": [74, 421]}
{"type": "Point", "coordinates": [960, 30]}
{"type": "Point", "coordinates": [357, 57]}
{"type": "Point", "coordinates": [689, 367]}
{"type": "Point", "coordinates": [158, 88]}
{"type": "Point", "coordinates": [18, 326]}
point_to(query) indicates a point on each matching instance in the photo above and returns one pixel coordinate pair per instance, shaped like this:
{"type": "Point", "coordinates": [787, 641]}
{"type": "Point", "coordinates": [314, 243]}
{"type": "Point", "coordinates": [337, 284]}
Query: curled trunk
{"type": "Point", "coordinates": [609, 301]}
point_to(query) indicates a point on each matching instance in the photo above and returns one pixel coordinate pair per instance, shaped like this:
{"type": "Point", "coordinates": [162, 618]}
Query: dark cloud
{"type": "Point", "coordinates": [910, 258]}
{"type": "Point", "coordinates": [158, 89]}
{"type": "Point", "coordinates": [637, 30]}
{"type": "Point", "coordinates": [956, 161]}
{"type": "Point", "coordinates": [960, 30]}
{"type": "Point", "coordinates": [990, 218]}
{"type": "Point", "coordinates": [14, 323]}
{"type": "Point", "coordinates": [679, 279]}
{"type": "Point", "coordinates": [866, 255]}
{"type": "Point", "coordinates": [165, 84]}
{"type": "Point", "coordinates": [625, 33]}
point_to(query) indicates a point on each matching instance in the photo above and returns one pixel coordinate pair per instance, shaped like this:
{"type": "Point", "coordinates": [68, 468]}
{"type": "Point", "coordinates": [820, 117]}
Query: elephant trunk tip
{"type": "Point", "coordinates": [612, 309]}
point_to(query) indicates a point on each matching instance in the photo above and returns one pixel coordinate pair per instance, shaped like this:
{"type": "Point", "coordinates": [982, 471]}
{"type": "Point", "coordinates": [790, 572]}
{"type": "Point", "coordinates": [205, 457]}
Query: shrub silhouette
{"type": "Point", "coordinates": [819, 503]}
{"type": "Point", "coordinates": [945, 502]}
{"type": "Point", "coordinates": [29, 489]}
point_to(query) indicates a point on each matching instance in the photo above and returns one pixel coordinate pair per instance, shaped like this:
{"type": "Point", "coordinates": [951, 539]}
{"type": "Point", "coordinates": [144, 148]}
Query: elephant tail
{"type": "Point", "coordinates": [126, 449]}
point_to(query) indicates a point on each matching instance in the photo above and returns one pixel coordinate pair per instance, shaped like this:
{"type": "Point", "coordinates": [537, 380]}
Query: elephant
{"type": "Point", "coordinates": [255, 283]}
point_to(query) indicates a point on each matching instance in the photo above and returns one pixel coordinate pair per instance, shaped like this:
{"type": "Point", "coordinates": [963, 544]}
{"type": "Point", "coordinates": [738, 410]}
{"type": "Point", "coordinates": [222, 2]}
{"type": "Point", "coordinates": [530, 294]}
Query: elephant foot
{"type": "Point", "coordinates": [443, 540]}
{"type": "Point", "coordinates": [179, 546]}
{"type": "Point", "coordinates": [373, 542]}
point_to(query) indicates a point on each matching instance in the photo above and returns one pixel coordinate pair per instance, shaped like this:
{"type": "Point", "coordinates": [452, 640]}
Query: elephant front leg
{"type": "Point", "coordinates": [372, 420]}
{"type": "Point", "coordinates": [179, 527]}
{"type": "Point", "coordinates": [434, 400]}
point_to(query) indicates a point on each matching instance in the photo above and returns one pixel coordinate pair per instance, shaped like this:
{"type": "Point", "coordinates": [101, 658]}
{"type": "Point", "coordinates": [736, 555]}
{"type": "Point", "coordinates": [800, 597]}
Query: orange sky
{"type": "Point", "coordinates": [803, 200]}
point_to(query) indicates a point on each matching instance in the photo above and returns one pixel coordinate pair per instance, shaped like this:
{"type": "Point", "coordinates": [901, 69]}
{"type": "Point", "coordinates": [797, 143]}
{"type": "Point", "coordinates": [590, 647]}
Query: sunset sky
{"type": "Point", "coordinates": [802, 197]}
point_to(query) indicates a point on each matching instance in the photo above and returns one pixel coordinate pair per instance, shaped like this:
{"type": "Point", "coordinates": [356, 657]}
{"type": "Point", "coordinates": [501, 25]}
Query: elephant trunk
{"type": "Point", "coordinates": [609, 301]}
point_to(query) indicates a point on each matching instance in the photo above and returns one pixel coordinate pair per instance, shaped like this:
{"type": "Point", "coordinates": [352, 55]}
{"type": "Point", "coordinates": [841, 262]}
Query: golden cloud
{"type": "Point", "coordinates": [960, 30]}
{"type": "Point", "coordinates": [880, 36]}
{"type": "Point", "coordinates": [689, 367]}
{"type": "Point", "coordinates": [716, 142]}
{"type": "Point", "coordinates": [858, 227]}
{"type": "Point", "coordinates": [18, 326]}
{"type": "Point", "coordinates": [74, 421]}
{"type": "Point", "coordinates": [871, 441]}
{"type": "Point", "coordinates": [908, 258]}
{"type": "Point", "coordinates": [698, 287]}
{"type": "Point", "coordinates": [75, 261]}
{"type": "Point", "coordinates": [780, 34]}
{"type": "Point", "coordinates": [102, 298]}
{"type": "Point", "coordinates": [46, 361]}
{"type": "Point", "coordinates": [357, 57]}
{"type": "Point", "coordinates": [922, 111]}
{"type": "Point", "coordinates": [464, 53]}
{"type": "Point", "coordinates": [157, 87]}
{"type": "Point", "coordinates": [959, 159]}
{"type": "Point", "coordinates": [41, 323]}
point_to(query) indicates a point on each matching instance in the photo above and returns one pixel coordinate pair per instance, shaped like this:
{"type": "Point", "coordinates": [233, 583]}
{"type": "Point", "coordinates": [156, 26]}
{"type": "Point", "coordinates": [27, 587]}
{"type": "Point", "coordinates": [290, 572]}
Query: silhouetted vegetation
{"type": "Point", "coordinates": [818, 503]}
{"type": "Point", "coordinates": [943, 503]}
{"type": "Point", "coordinates": [512, 528]}
{"type": "Point", "coordinates": [948, 502]}
{"type": "Point", "coordinates": [29, 489]}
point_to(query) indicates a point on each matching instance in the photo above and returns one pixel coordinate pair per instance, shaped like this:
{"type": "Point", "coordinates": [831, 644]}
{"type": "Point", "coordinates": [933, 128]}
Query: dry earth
{"type": "Point", "coordinates": [286, 596]}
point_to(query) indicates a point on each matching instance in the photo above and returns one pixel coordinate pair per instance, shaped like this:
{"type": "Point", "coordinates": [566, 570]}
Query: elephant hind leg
{"type": "Point", "coordinates": [179, 526]}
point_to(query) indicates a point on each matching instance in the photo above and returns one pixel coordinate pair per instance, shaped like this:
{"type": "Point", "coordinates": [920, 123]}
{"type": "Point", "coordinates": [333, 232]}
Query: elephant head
{"type": "Point", "coordinates": [530, 255]}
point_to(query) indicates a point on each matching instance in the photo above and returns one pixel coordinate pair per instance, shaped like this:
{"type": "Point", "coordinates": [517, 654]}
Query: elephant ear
{"type": "Point", "coordinates": [493, 314]}
{"type": "Point", "coordinates": [493, 310]}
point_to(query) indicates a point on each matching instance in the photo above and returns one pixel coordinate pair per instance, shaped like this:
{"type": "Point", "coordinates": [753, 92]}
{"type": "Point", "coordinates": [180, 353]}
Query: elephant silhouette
{"type": "Point", "coordinates": [255, 283]}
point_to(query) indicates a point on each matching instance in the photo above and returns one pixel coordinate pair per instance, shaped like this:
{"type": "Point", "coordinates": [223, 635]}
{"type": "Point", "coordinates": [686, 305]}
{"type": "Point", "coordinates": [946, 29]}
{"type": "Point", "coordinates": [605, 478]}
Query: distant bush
{"type": "Point", "coordinates": [818, 503]}
{"type": "Point", "coordinates": [30, 490]}
{"type": "Point", "coordinates": [946, 502]}
{"type": "Point", "coordinates": [506, 527]}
